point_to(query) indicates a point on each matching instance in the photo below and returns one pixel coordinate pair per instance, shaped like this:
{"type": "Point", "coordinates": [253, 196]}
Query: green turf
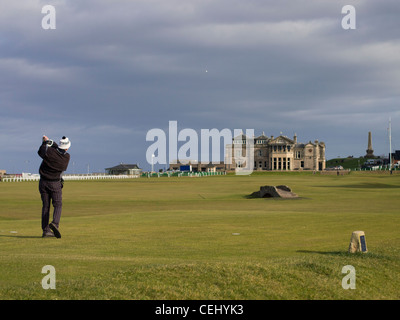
{"type": "Point", "coordinates": [203, 238]}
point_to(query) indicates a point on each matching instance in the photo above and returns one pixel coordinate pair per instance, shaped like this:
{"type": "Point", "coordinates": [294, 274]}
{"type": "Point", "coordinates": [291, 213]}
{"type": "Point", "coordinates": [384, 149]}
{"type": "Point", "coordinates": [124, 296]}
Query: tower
{"type": "Point", "coordinates": [370, 151]}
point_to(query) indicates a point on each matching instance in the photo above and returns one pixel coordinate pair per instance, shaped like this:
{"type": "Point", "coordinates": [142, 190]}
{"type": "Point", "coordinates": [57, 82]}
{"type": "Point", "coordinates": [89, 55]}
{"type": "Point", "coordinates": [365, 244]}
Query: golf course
{"type": "Point", "coordinates": [205, 238]}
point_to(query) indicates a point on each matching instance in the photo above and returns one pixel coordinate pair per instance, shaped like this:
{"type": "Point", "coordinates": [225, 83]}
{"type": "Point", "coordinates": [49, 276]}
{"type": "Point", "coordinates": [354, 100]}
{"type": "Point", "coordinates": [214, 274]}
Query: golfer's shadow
{"type": "Point", "coordinates": [22, 237]}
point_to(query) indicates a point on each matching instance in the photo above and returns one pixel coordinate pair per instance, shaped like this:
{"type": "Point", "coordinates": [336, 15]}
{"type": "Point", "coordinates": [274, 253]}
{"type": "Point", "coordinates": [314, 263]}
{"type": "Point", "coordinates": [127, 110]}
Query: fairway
{"type": "Point", "coordinates": [203, 238]}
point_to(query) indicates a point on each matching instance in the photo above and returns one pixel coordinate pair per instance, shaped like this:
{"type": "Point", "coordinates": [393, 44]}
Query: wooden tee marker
{"type": "Point", "coordinates": [358, 242]}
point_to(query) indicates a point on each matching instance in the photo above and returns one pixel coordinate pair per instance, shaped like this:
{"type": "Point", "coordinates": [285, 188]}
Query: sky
{"type": "Point", "coordinates": [111, 71]}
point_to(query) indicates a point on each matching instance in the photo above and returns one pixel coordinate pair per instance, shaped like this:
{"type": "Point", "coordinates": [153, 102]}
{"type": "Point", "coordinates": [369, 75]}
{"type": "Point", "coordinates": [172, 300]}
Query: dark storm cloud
{"type": "Point", "coordinates": [112, 70]}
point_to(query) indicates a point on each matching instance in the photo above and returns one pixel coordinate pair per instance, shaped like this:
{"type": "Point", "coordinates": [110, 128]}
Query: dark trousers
{"type": "Point", "coordinates": [50, 191]}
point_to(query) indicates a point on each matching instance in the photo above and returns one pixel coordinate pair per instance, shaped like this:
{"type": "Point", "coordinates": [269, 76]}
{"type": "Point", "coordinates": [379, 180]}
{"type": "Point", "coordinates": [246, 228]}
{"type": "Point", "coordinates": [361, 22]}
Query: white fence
{"type": "Point", "coordinates": [69, 177]}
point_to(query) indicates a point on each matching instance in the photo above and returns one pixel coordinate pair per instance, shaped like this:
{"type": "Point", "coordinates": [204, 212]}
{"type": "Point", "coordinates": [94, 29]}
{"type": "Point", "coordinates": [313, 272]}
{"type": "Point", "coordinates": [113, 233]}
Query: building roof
{"type": "Point", "coordinates": [241, 136]}
{"type": "Point", "coordinates": [262, 137]}
{"type": "Point", "coordinates": [281, 139]}
{"type": "Point", "coordinates": [124, 166]}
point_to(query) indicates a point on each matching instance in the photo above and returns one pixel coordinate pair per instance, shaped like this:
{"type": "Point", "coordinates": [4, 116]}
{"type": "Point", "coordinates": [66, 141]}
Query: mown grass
{"type": "Point", "coordinates": [202, 238]}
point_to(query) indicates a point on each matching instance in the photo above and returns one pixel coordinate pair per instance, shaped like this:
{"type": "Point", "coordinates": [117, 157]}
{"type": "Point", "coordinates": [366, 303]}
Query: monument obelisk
{"type": "Point", "coordinates": [370, 151]}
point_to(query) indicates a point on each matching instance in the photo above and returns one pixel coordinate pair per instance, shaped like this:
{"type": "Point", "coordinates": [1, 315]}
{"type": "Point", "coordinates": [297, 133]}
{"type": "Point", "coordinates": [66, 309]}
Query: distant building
{"type": "Point", "coordinates": [277, 154]}
{"type": "Point", "coordinates": [396, 157]}
{"type": "Point", "coordinates": [128, 169]}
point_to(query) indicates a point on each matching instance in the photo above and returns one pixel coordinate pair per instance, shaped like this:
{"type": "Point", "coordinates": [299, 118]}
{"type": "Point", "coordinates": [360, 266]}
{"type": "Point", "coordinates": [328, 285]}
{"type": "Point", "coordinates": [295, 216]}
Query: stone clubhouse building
{"type": "Point", "coordinates": [277, 154]}
{"type": "Point", "coordinates": [269, 153]}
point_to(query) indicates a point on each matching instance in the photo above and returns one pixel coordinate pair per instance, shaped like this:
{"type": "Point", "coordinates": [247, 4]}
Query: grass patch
{"type": "Point", "coordinates": [202, 238]}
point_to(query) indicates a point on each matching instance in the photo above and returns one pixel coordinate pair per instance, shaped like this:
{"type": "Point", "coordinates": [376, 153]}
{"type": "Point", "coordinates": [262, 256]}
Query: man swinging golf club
{"type": "Point", "coordinates": [55, 161]}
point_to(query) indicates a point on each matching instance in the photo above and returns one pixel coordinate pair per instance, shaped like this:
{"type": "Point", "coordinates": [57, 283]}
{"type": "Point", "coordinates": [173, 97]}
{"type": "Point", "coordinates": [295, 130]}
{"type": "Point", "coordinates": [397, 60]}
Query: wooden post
{"type": "Point", "coordinates": [358, 242]}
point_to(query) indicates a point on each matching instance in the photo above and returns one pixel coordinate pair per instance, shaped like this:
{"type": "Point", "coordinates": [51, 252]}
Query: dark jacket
{"type": "Point", "coordinates": [55, 161]}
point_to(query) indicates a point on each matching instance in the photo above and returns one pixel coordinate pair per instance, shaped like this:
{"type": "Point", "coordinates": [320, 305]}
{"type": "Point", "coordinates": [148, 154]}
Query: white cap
{"type": "Point", "coordinates": [64, 143]}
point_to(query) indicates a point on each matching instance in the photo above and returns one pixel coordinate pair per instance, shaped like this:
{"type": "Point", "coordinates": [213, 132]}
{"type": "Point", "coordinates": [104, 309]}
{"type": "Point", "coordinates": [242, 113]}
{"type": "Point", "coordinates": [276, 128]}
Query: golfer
{"type": "Point", "coordinates": [55, 161]}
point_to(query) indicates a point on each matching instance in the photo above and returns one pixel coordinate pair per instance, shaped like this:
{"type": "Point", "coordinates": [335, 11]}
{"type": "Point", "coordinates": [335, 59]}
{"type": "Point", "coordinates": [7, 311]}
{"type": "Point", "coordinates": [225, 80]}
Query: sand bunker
{"type": "Point", "coordinates": [274, 192]}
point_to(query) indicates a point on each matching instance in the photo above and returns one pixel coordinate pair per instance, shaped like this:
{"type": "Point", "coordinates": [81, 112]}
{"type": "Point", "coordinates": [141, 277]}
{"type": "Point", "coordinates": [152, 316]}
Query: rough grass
{"type": "Point", "coordinates": [202, 238]}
